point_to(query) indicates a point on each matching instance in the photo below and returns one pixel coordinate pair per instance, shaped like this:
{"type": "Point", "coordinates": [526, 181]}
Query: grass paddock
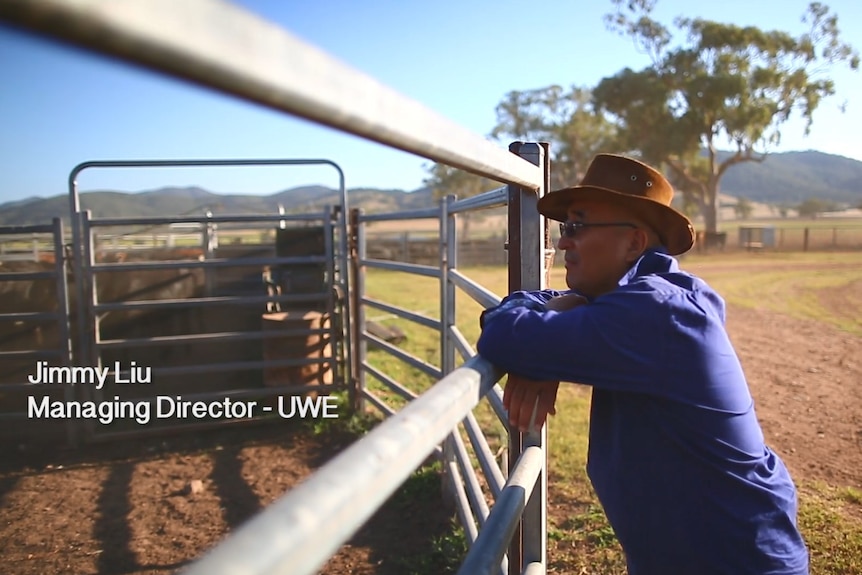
{"type": "Point", "coordinates": [580, 540]}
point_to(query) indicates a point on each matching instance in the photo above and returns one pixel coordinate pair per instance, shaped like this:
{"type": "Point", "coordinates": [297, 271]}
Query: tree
{"type": "Point", "coordinates": [812, 207]}
{"type": "Point", "coordinates": [721, 83]}
{"type": "Point", "coordinates": [566, 119]}
{"type": "Point", "coordinates": [445, 180]}
{"type": "Point", "coordinates": [743, 208]}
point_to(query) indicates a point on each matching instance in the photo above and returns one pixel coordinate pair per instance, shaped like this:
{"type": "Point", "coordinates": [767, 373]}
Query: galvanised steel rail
{"type": "Point", "coordinates": [215, 44]}
{"type": "Point", "coordinates": [297, 533]}
{"type": "Point", "coordinates": [93, 345]}
{"type": "Point", "coordinates": [239, 53]}
{"type": "Point", "coordinates": [464, 485]}
{"type": "Point", "coordinates": [61, 354]}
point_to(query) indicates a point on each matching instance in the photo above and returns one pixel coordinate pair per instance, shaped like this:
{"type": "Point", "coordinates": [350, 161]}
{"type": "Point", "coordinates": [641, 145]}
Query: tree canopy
{"type": "Point", "coordinates": [713, 85]}
{"type": "Point", "coordinates": [565, 117]}
{"type": "Point", "coordinates": [722, 84]}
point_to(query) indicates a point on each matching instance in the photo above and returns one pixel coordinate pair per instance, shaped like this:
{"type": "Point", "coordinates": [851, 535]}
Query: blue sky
{"type": "Point", "coordinates": [60, 106]}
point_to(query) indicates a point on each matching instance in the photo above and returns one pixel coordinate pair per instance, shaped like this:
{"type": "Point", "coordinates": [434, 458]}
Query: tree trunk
{"type": "Point", "coordinates": [710, 208]}
{"type": "Point", "coordinates": [710, 216]}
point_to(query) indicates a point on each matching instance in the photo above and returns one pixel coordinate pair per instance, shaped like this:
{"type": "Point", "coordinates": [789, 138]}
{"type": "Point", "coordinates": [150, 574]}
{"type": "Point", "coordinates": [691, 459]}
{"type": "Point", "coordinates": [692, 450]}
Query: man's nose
{"type": "Point", "coordinates": [564, 243]}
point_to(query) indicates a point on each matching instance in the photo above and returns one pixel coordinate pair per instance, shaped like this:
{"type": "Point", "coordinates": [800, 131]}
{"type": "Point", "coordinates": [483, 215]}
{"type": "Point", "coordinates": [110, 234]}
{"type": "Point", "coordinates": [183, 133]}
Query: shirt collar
{"type": "Point", "coordinates": [653, 261]}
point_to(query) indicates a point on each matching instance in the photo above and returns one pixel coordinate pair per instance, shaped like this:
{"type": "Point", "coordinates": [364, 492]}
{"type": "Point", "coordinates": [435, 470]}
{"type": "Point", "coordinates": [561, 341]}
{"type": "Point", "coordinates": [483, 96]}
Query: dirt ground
{"type": "Point", "coordinates": [126, 508]}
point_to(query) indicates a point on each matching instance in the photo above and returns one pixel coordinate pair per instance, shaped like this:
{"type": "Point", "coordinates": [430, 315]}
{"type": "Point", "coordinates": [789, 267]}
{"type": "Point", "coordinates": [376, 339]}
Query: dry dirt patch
{"type": "Point", "coordinates": [128, 509]}
{"type": "Point", "coordinates": [806, 379]}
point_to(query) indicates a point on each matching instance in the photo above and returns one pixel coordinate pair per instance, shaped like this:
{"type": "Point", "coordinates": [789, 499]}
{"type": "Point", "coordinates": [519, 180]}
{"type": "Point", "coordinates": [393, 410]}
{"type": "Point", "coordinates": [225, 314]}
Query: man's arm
{"type": "Point", "coordinates": [527, 401]}
{"type": "Point", "coordinates": [614, 342]}
{"type": "Point", "coordinates": [535, 300]}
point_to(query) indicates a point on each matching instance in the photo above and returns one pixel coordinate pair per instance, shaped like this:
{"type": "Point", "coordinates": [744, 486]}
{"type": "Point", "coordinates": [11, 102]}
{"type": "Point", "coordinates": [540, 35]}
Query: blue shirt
{"type": "Point", "coordinates": [676, 454]}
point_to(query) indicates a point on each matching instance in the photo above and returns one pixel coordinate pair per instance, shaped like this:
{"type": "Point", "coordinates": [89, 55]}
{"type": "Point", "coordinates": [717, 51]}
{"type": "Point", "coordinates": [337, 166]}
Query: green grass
{"type": "Point", "coordinates": [790, 283]}
{"type": "Point", "coordinates": [580, 540]}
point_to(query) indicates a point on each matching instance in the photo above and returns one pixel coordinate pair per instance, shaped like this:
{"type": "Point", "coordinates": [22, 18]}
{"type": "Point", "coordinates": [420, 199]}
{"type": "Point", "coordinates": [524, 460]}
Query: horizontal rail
{"type": "Point", "coordinates": [417, 269]}
{"type": "Point", "coordinates": [31, 316]}
{"type": "Point", "coordinates": [495, 398]}
{"type": "Point", "coordinates": [471, 482]}
{"type": "Point", "coordinates": [239, 53]}
{"type": "Point", "coordinates": [300, 531]}
{"type": "Point", "coordinates": [462, 503]}
{"type": "Point", "coordinates": [239, 365]}
{"type": "Point", "coordinates": [31, 229]}
{"type": "Point", "coordinates": [389, 382]}
{"type": "Point", "coordinates": [203, 220]}
{"type": "Point", "coordinates": [259, 392]}
{"type": "Point", "coordinates": [208, 337]}
{"type": "Point", "coordinates": [27, 387]}
{"type": "Point", "coordinates": [419, 214]}
{"type": "Point", "coordinates": [403, 313]}
{"type": "Point", "coordinates": [493, 474]}
{"type": "Point", "coordinates": [485, 555]}
{"type": "Point", "coordinates": [207, 301]}
{"type": "Point", "coordinates": [461, 344]}
{"type": "Point", "coordinates": [407, 358]}
{"type": "Point", "coordinates": [210, 263]}
{"type": "Point", "coordinates": [31, 353]}
{"type": "Point", "coordinates": [492, 199]}
{"type": "Point", "coordinates": [27, 276]}
{"type": "Point", "coordinates": [485, 297]}
{"type": "Point", "coordinates": [378, 403]}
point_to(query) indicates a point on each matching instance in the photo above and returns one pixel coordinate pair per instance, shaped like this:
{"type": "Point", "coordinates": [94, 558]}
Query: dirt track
{"type": "Point", "coordinates": [125, 508]}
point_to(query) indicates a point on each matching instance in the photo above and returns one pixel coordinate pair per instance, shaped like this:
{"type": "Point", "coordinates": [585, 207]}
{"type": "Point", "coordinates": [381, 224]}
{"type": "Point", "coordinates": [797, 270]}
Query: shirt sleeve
{"type": "Point", "coordinates": [534, 300]}
{"type": "Point", "coordinates": [615, 342]}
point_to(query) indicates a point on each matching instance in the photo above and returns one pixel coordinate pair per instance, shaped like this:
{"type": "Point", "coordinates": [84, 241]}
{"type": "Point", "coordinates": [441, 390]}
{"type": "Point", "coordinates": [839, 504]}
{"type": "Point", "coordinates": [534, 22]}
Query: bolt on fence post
{"type": "Point", "coordinates": [528, 241]}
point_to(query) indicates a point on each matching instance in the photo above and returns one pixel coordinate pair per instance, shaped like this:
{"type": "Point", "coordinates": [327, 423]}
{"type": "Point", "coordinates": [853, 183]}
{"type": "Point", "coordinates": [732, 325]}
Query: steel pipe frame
{"type": "Point", "coordinates": [340, 497]}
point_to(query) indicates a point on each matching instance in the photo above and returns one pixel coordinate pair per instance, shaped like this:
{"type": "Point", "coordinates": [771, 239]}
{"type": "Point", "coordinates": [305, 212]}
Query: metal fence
{"type": "Point", "coordinates": [145, 316]}
{"type": "Point", "coordinates": [301, 530]}
{"type": "Point", "coordinates": [22, 328]}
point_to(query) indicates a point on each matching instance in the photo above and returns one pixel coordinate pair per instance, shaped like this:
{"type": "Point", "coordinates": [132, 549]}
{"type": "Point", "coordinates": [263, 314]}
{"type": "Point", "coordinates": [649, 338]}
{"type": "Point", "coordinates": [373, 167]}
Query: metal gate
{"type": "Point", "coordinates": [30, 338]}
{"type": "Point", "coordinates": [149, 313]}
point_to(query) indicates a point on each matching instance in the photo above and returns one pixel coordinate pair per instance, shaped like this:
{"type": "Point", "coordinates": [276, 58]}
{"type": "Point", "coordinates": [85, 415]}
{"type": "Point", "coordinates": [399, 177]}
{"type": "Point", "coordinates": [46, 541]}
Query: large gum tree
{"type": "Point", "coordinates": [721, 86]}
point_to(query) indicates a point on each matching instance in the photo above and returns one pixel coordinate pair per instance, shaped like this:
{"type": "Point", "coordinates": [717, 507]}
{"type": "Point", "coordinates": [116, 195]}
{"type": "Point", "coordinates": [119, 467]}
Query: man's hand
{"type": "Point", "coordinates": [565, 302]}
{"type": "Point", "coordinates": [522, 396]}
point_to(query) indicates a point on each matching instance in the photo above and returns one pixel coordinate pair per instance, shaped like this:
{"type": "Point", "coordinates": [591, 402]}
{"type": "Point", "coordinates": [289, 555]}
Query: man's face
{"type": "Point", "coordinates": [597, 257]}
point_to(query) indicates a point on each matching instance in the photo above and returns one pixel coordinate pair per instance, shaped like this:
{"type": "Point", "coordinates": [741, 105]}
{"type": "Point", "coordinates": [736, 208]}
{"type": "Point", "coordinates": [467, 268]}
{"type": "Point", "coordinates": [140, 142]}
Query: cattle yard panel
{"type": "Point", "coordinates": [17, 325]}
{"type": "Point", "coordinates": [202, 290]}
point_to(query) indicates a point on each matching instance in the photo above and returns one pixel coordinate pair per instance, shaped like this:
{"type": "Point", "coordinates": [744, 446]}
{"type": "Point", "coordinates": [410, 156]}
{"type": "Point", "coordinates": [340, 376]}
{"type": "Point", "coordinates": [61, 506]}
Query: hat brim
{"type": "Point", "coordinates": [673, 229]}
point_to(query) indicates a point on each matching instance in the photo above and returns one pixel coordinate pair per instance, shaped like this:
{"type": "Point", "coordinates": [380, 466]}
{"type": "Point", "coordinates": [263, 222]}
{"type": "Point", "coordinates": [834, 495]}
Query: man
{"type": "Point", "coordinates": [676, 454]}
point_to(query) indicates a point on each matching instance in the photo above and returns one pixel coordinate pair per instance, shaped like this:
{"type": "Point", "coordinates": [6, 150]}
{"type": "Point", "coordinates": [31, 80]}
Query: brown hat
{"type": "Point", "coordinates": [626, 182]}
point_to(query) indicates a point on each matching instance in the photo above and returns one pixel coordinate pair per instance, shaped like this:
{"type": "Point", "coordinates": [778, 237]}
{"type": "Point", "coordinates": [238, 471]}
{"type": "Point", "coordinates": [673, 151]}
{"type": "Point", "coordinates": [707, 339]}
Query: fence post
{"type": "Point", "coordinates": [357, 322]}
{"type": "Point", "coordinates": [61, 285]}
{"type": "Point", "coordinates": [528, 238]}
{"type": "Point", "coordinates": [805, 240]}
{"type": "Point", "coordinates": [405, 247]}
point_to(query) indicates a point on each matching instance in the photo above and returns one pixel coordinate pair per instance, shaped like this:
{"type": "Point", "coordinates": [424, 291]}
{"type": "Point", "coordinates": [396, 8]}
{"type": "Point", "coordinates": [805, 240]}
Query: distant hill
{"type": "Point", "coordinates": [791, 177]}
{"type": "Point", "coordinates": [787, 178]}
{"type": "Point", "coordinates": [171, 201]}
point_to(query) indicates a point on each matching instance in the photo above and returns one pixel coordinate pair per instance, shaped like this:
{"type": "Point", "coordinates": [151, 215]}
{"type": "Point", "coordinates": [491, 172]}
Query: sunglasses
{"type": "Point", "coordinates": [570, 229]}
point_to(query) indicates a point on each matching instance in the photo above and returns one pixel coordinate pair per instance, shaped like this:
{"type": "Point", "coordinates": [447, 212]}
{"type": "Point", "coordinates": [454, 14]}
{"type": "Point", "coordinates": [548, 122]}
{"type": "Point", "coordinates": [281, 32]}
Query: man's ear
{"type": "Point", "coordinates": [638, 243]}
